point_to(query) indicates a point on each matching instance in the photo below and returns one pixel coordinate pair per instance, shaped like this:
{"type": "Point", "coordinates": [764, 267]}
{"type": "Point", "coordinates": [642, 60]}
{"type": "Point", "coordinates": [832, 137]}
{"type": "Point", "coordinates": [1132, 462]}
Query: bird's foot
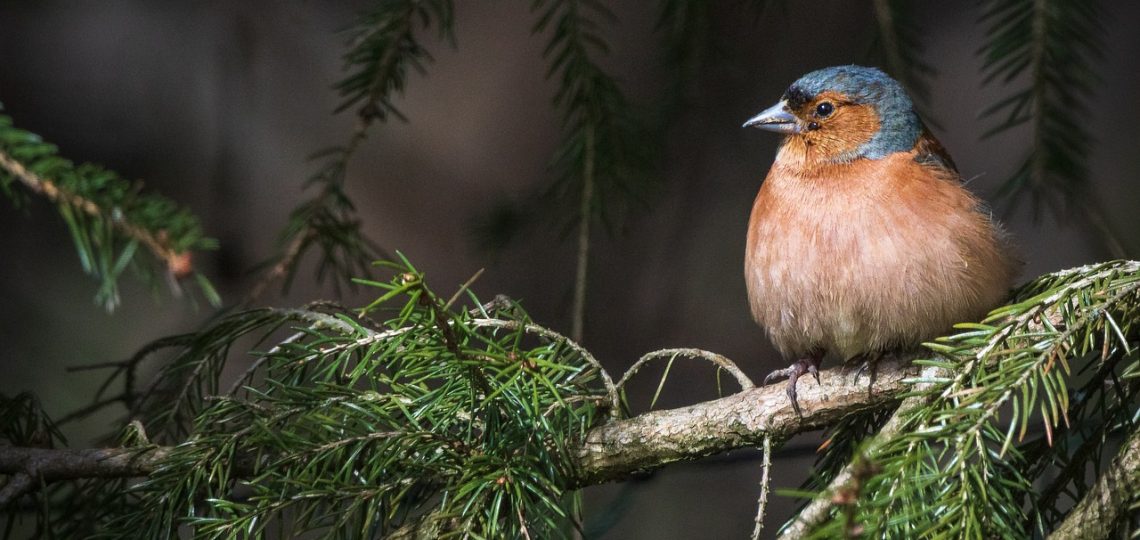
{"type": "Point", "coordinates": [792, 373]}
{"type": "Point", "coordinates": [869, 362]}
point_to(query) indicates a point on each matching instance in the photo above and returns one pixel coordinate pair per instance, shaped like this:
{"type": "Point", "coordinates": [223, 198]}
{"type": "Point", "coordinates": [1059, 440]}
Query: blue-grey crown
{"type": "Point", "coordinates": [899, 126]}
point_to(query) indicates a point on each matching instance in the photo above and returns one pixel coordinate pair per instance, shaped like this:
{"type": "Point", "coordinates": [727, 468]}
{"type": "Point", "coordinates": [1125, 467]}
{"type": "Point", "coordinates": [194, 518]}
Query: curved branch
{"type": "Point", "coordinates": [611, 389]}
{"type": "Point", "coordinates": [720, 360]}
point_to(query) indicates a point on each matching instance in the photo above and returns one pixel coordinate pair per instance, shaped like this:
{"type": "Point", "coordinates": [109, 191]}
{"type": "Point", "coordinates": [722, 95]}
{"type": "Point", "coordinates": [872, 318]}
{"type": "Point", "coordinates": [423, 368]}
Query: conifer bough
{"type": "Point", "coordinates": [478, 422]}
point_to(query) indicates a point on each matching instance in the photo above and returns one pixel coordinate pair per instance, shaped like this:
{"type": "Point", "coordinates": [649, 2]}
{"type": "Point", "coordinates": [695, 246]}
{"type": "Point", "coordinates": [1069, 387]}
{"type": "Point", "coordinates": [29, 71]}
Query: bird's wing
{"type": "Point", "coordinates": [929, 152]}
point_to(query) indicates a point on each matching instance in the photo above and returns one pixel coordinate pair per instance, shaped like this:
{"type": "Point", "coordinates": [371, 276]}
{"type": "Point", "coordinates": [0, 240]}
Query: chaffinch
{"type": "Point", "coordinates": [863, 238]}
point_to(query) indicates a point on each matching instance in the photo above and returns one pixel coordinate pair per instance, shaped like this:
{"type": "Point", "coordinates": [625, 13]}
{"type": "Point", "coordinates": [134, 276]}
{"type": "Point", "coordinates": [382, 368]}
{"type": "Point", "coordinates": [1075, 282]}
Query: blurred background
{"type": "Point", "coordinates": [217, 105]}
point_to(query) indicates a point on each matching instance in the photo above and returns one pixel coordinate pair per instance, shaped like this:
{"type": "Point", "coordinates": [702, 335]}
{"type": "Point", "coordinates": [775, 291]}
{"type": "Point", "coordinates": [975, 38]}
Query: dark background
{"type": "Point", "coordinates": [218, 104]}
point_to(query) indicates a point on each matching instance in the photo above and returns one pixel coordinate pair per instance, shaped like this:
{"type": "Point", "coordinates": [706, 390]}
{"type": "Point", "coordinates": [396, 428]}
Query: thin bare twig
{"type": "Point", "coordinates": [93, 408]}
{"type": "Point", "coordinates": [466, 285]}
{"type": "Point", "coordinates": [288, 260]}
{"type": "Point", "coordinates": [762, 503]}
{"type": "Point", "coordinates": [721, 361]}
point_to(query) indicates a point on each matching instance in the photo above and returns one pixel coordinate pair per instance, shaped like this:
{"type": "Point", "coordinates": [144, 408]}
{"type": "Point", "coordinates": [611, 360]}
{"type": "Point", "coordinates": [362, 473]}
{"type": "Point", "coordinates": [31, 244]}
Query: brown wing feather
{"type": "Point", "coordinates": [930, 152]}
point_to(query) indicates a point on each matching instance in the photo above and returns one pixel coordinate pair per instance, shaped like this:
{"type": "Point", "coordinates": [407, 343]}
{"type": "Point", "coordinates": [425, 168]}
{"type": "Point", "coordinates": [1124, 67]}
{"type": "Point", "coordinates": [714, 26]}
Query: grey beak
{"type": "Point", "coordinates": [775, 118]}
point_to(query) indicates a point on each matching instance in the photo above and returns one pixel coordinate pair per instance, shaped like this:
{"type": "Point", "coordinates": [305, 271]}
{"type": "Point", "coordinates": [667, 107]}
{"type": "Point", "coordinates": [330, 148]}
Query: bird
{"type": "Point", "coordinates": [863, 238]}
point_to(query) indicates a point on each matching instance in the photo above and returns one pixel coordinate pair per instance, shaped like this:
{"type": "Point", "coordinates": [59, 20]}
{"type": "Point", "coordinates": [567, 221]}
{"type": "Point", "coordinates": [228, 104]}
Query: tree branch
{"type": "Point", "coordinates": [817, 510]}
{"type": "Point", "coordinates": [617, 449]}
{"type": "Point", "coordinates": [1100, 511]}
{"type": "Point", "coordinates": [19, 484]}
{"type": "Point", "coordinates": [178, 262]}
{"type": "Point", "coordinates": [611, 451]}
{"type": "Point", "coordinates": [27, 465]}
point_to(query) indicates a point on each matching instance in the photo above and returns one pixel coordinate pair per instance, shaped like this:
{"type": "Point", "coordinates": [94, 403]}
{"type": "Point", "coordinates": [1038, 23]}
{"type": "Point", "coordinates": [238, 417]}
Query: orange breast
{"type": "Point", "coordinates": [869, 255]}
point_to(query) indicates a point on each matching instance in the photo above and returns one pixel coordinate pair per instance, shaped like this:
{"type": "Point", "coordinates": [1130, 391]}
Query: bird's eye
{"type": "Point", "coordinates": [824, 109]}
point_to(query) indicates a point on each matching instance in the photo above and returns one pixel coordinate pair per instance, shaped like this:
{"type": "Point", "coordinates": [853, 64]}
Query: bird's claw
{"type": "Point", "coordinates": [814, 370]}
{"type": "Point", "coordinates": [870, 364]}
{"type": "Point", "coordinates": [780, 374]}
{"type": "Point", "coordinates": [859, 371]}
{"type": "Point", "coordinates": [793, 373]}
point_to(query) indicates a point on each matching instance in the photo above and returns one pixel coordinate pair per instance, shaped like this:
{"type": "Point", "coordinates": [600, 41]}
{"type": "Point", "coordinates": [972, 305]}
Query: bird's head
{"type": "Point", "coordinates": [843, 113]}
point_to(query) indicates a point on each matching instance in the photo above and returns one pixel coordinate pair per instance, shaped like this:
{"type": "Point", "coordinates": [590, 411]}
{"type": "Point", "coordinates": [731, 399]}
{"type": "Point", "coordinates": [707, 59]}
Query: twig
{"type": "Point", "coordinates": [19, 484]}
{"type": "Point", "coordinates": [522, 522]}
{"type": "Point", "coordinates": [611, 389]}
{"type": "Point", "coordinates": [817, 511]}
{"type": "Point", "coordinates": [48, 464]}
{"type": "Point", "coordinates": [288, 260]}
{"type": "Point", "coordinates": [1103, 506]}
{"type": "Point", "coordinates": [466, 285]}
{"type": "Point", "coordinates": [93, 408]}
{"type": "Point", "coordinates": [585, 216]}
{"type": "Point", "coordinates": [762, 504]}
{"type": "Point", "coordinates": [386, 70]}
{"type": "Point", "coordinates": [721, 361]}
{"type": "Point", "coordinates": [97, 365]}
{"type": "Point", "coordinates": [500, 302]}
{"type": "Point", "coordinates": [247, 375]}
{"type": "Point", "coordinates": [155, 242]}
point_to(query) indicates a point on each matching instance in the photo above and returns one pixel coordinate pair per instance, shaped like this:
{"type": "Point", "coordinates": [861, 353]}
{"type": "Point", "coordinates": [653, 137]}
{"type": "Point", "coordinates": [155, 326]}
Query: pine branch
{"type": "Point", "coordinates": [477, 421]}
{"type": "Point", "coordinates": [820, 508]}
{"type": "Point", "coordinates": [602, 160]}
{"type": "Point", "coordinates": [1054, 44]}
{"type": "Point", "coordinates": [107, 216]}
{"type": "Point", "coordinates": [1101, 413]}
{"type": "Point", "coordinates": [273, 435]}
{"type": "Point", "coordinates": [53, 193]}
{"type": "Point", "coordinates": [23, 422]}
{"type": "Point", "coordinates": [615, 450]}
{"type": "Point", "coordinates": [609, 452]}
{"type": "Point", "coordinates": [951, 450]}
{"type": "Point", "coordinates": [382, 50]}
